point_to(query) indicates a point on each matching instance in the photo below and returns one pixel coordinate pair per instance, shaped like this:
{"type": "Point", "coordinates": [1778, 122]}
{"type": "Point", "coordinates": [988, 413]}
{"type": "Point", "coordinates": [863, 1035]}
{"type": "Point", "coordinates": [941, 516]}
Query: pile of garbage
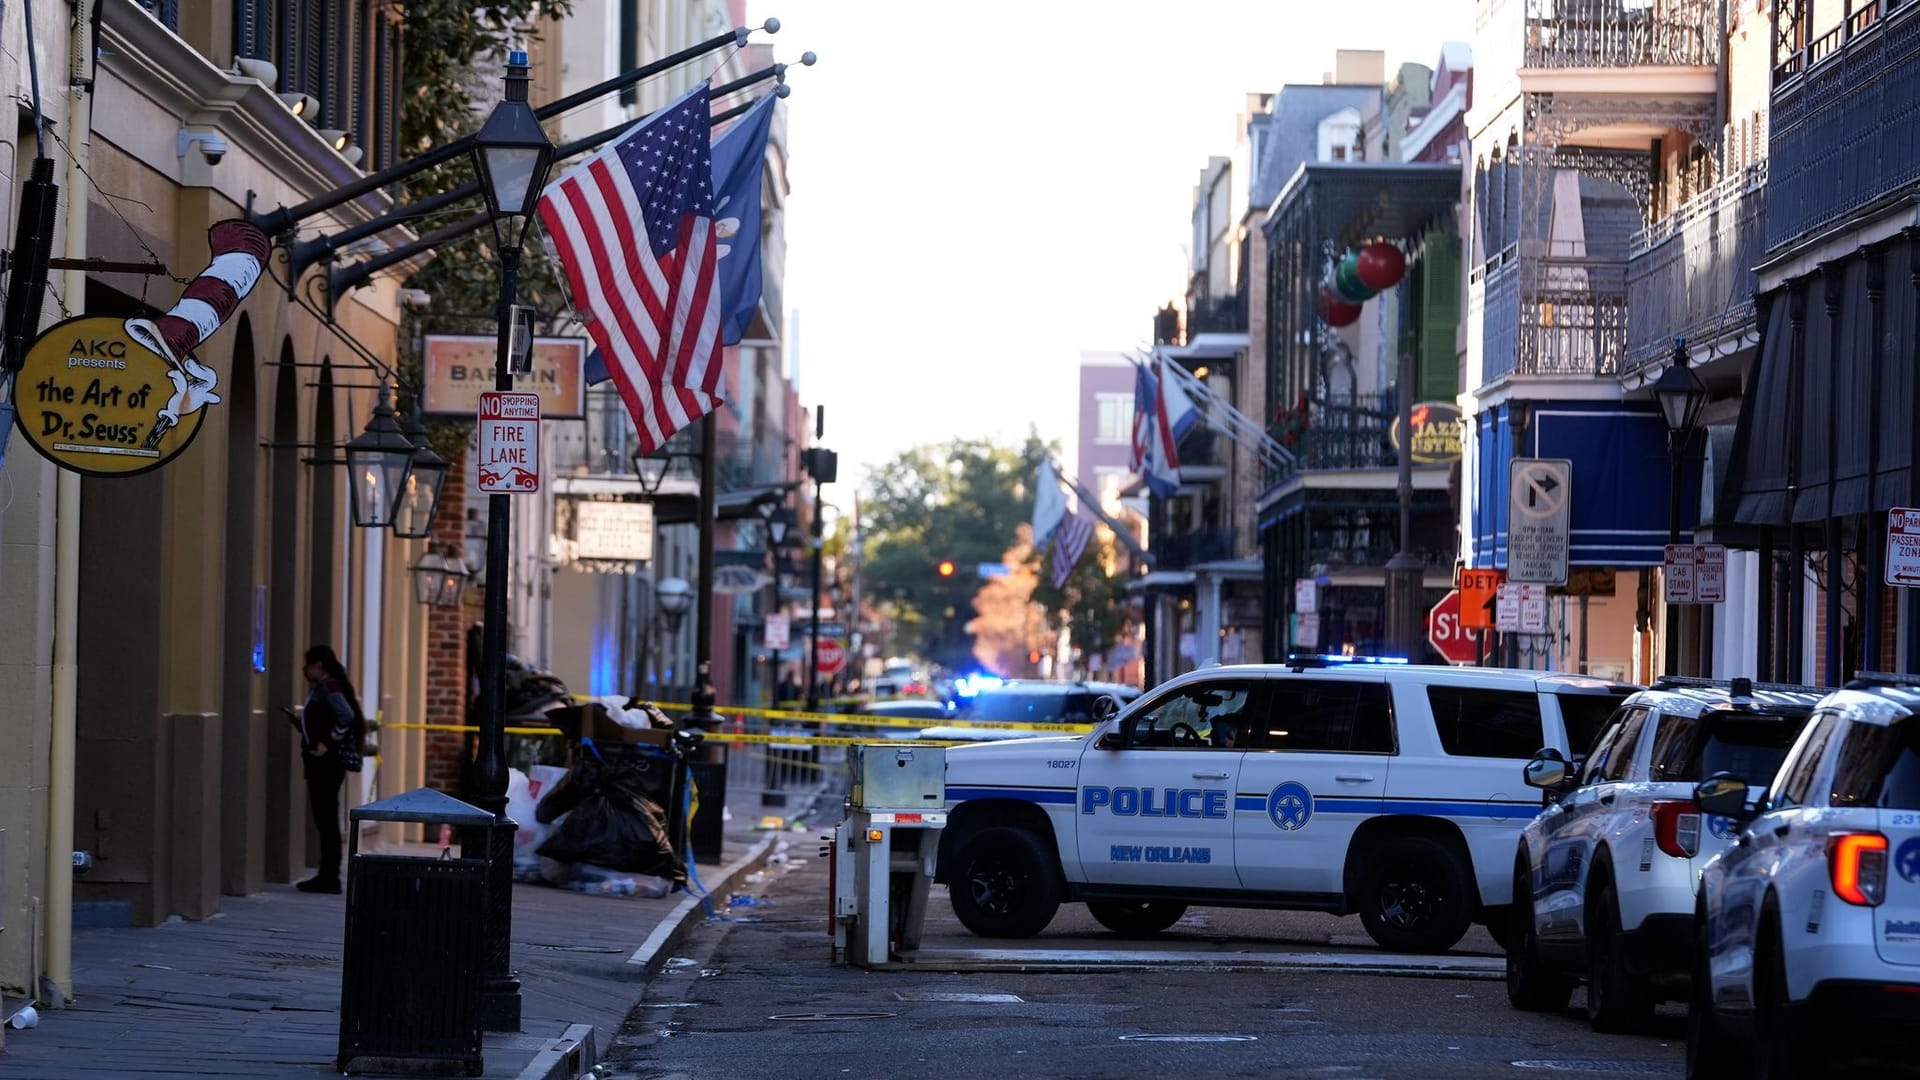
{"type": "Point", "coordinates": [603, 825]}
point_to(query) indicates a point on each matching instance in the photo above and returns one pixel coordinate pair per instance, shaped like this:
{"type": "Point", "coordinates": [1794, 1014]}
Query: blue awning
{"type": "Point", "coordinates": [1620, 469]}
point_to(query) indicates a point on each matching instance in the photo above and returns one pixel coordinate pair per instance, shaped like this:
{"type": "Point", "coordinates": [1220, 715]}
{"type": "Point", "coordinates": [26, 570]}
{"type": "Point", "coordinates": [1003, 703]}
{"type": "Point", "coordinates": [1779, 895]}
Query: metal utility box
{"type": "Point", "coordinates": [899, 777]}
{"type": "Point", "coordinates": [416, 941]}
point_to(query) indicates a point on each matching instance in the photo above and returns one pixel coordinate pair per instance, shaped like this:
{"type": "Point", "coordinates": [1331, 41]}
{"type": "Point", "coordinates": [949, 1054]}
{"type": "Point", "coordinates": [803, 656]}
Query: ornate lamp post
{"type": "Point", "coordinates": [511, 155]}
{"type": "Point", "coordinates": [1681, 395]}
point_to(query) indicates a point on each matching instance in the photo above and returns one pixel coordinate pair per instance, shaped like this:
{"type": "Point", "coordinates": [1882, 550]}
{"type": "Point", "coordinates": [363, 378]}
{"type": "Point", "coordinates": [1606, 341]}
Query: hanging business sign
{"type": "Point", "coordinates": [614, 531]}
{"type": "Point", "coordinates": [457, 368]}
{"type": "Point", "coordinates": [1436, 433]}
{"type": "Point", "coordinates": [106, 395]}
{"type": "Point", "coordinates": [95, 398]}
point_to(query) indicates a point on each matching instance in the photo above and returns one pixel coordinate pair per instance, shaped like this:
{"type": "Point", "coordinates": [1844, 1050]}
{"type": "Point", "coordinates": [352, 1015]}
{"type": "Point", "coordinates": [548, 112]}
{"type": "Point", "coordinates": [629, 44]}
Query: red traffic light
{"type": "Point", "coordinates": [945, 568]}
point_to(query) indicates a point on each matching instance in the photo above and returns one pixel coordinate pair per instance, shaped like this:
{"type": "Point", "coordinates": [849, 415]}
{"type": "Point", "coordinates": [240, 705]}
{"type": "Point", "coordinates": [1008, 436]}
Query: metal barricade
{"type": "Point", "coordinates": [416, 942]}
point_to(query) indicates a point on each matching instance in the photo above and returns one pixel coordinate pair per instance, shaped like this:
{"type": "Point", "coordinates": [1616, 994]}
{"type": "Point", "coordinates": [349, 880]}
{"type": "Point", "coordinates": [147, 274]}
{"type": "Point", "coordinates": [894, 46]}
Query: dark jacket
{"type": "Point", "coordinates": [329, 718]}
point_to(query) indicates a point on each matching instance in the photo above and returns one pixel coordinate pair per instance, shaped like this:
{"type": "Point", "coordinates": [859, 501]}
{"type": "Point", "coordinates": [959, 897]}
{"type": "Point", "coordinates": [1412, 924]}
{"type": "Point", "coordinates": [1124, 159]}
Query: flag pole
{"type": "Point", "coordinates": [342, 279]}
{"type": "Point", "coordinates": [1093, 504]}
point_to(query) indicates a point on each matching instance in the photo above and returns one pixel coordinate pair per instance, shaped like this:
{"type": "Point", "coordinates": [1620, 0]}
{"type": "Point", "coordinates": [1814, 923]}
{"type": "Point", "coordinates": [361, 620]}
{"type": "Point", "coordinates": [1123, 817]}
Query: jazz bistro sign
{"type": "Point", "coordinates": [1436, 433]}
{"type": "Point", "coordinates": [91, 396]}
{"type": "Point", "coordinates": [458, 368]}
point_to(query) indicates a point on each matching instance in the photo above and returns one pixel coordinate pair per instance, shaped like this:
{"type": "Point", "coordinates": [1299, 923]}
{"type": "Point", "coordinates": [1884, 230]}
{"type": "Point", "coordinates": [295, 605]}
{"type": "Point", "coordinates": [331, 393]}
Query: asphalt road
{"type": "Point", "coordinates": [759, 997]}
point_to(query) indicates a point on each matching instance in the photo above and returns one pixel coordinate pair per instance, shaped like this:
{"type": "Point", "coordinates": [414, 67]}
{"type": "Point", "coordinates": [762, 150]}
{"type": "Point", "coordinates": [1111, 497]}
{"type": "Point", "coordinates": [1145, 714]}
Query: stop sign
{"type": "Point", "coordinates": [830, 656]}
{"type": "Point", "coordinates": [1454, 641]}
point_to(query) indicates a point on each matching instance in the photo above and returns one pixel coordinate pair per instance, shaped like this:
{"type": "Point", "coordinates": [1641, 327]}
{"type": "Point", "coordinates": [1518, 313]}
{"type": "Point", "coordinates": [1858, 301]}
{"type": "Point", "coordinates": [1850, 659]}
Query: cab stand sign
{"type": "Point", "coordinates": [96, 399]}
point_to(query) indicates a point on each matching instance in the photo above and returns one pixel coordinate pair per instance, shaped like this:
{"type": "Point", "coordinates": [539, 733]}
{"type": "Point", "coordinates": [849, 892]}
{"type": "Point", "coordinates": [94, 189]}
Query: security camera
{"type": "Point", "coordinates": [415, 299]}
{"type": "Point", "coordinates": [213, 145]}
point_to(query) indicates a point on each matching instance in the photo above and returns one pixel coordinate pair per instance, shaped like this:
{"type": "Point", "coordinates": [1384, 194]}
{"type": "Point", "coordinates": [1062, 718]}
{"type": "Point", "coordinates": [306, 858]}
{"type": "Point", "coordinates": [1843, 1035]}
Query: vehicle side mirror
{"type": "Point", "coordinates": [1724, 794]}
{"type": "Point", "coordinates": [1104, 708]}
{"type": "Point", "coordinates": [1549, 769]}
{"type": "Point", "coordinates": [1110, 740]}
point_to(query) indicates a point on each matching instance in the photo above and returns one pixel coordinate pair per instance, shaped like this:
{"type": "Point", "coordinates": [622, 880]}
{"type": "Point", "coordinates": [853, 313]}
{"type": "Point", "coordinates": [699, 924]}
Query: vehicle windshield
{"type": "Point", "coordinates": [1879, 766]}
{"type": "Point", "coordinates": [1031, 707]}
{"type": "Point", "coordinates": [1586, 716]}
{"type": "Point", "coordinates": [1749, 746]}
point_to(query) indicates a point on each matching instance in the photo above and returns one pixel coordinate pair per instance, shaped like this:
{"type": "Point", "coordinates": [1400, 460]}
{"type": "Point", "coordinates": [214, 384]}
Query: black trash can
{"type": "Point", "coordinates": [416, 942]}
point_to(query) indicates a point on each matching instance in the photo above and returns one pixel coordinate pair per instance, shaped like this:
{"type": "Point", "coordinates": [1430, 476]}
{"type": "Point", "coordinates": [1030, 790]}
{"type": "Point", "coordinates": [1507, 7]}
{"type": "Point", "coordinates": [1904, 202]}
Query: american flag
{"type": "Point", "coordinates": [634, 228]}
{"type": "Point", "coordinates": [1144, 398]}
{"type": "Point", "coordinates": [1069, 543]}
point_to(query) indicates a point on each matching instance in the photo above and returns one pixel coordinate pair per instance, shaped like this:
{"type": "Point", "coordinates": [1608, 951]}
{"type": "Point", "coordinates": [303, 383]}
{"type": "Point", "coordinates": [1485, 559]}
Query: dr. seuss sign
{"type": "Point", "coordinates": [110, 396]}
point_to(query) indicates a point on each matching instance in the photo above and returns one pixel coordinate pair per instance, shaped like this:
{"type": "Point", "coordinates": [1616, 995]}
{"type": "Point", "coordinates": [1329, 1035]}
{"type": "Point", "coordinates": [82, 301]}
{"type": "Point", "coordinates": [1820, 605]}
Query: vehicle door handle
{"type": "Point", "coordinates": [1782, 829]}
{"type": "Point", "coordinates": [1209, 776]}
{"type": "Point", "coordinates": [1607, 799]}
{"type": "Point", "coordinates": [1352, 778]}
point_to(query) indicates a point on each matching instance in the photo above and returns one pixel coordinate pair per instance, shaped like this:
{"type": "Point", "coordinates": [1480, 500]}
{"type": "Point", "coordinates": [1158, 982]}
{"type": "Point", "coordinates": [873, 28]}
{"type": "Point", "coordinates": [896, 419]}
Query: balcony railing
{"type": "Point", "coordinates": [1843, 116]}
{"type": "Point", "coordinates": [1554, 315]}
{"type": "Point", "coordinates": [1344, 431]}
{"type": "Point", "coordinates": [1216, 316]}
{"type": "Point", "coordinates": [1691, 273]}
{"type": "Point", "coordinates": [1185, 550]}
{"type": "Point", "coordinates": [1621, 33]}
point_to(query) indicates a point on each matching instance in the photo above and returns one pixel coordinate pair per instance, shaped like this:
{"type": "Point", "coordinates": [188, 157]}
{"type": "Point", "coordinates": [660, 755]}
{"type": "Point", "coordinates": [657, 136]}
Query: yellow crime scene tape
{"type": "Point", "coordinates": [715, 736]}
{"type": "Point", "coordinates": [858, 720]}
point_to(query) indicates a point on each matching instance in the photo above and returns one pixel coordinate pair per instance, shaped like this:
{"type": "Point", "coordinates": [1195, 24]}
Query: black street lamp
{"type": "Point", "coordinates": [673, 596]}
{"type": "Point", "coordinates": [1681, 396]}
{"type": "Point", "coordinates": [777, 525]}
{"type": "Point", "coordinates": [420, 496]}
{"type": "Point", "coordinates": [379, 460]}
{"type": "Point", "coordinates": [823, 468]}
{"type": "Point", "coordinates": [511, 155]}
{"type": "Point", "coordinates": [652, 470]}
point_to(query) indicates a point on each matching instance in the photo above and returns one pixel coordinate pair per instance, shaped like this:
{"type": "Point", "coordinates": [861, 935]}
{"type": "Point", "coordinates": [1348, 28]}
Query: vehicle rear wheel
{"type": "Point", "coordinates": [1531, 987]}
{"type": "Point", "coordinates": [1006, 884]}
{"type": "Point", "coordinates": [1779, 1053]}
{"type": "Point", "coordinates": [1616, 1001]}
{"type": "Point", "coordinates": [1711, 1054]}
{"type": "Point", "coordinates": [1136, 919]}
{"type": "Point", "coordinates": [1414, 895]}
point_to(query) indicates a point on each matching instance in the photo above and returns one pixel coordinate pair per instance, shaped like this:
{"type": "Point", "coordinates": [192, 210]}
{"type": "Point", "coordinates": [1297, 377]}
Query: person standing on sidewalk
{"type": "Point", "coordinates": [332, 729]}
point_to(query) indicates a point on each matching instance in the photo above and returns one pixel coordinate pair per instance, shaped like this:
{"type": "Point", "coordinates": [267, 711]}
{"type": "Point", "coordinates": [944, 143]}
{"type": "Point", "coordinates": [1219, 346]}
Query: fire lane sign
{"type": "Point", "coordinates": [509, 441]}
{"type": "Point", "coordinates": [1903, 547]}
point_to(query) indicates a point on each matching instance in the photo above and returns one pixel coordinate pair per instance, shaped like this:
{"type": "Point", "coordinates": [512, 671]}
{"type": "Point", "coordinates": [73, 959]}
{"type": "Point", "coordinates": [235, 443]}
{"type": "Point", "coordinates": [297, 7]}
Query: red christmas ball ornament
{"type": "Point", "coordinates": [1335, 311]}
{"type": "Point", "coordinates": [1381, 265]}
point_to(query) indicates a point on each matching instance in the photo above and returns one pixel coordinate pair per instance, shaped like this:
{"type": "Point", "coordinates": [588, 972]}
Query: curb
{"type": "Point", "coordinates": [1074, 962]}
{"type": "Point", "coordinates": [576, 1053]}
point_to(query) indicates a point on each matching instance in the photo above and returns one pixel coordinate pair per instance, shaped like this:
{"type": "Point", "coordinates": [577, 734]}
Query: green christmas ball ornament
{"type": "Point", "coordinates": [1346, 282]}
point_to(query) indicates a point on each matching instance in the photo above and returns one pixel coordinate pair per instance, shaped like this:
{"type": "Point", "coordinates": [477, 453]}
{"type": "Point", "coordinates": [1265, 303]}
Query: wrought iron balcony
{"type": "Point", "coordinates": [1216, 315]}
{"type": "Point", "coordinates": [1619, 33]}
{"type": "Point", "coordinates": [1344, 431]}
{"type": "Point", "coordinates": [1553, 315]}
{"type": "Point", "coordinates": [1690, 275]}
{"type": "Point", "coordinates": [1842, 121]}
{"type": "Point", "coordinates": [1182, 551]}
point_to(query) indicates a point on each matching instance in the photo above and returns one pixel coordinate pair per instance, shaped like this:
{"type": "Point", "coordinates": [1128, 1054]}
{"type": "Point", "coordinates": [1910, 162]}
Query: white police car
{"type": "Point", "coordinates": [1389, 790]}
{"type": "Point", "coordinates": [1603, 885]}
{"type": "Point", "coordinates": [1812, 917]}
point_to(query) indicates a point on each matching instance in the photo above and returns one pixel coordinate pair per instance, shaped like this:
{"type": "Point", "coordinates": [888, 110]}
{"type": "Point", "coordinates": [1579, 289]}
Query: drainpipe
{"type": "Point", "coordinates": [66, 540]}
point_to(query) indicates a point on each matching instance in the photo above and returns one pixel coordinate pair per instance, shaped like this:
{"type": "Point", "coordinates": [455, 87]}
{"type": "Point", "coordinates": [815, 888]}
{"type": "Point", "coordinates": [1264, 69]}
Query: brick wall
{"type": "Point", "coordinates": [447, 644]}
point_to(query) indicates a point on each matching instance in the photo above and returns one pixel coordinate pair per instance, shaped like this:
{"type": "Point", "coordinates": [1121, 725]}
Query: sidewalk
{"type": "Point", "coordinates": [255, 991]}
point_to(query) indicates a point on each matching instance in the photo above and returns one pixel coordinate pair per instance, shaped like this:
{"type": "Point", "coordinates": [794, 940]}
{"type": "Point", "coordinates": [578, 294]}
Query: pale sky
{"type": "Point", "coordinates": [982, 190]}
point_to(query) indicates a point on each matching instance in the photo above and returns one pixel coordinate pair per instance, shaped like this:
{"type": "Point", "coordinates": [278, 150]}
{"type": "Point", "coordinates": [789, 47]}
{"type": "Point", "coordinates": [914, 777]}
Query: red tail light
{"type": "Point", "coordinates": [1859, 865]}
{"type": "Point", "coordinates": [1676, 828]}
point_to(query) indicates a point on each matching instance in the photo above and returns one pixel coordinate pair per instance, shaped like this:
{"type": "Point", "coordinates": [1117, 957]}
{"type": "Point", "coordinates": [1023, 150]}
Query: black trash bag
{"type": "Point", "coordinates": [615, 800]}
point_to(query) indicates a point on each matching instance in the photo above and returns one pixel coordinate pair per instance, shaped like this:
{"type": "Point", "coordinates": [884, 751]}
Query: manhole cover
{"type": "Point", "coordinates": [1665, 1068]}
{"type": "Point", "coordinates": [828, 1017]}
{"type": "Point", "coordinates": [1190, 1038]}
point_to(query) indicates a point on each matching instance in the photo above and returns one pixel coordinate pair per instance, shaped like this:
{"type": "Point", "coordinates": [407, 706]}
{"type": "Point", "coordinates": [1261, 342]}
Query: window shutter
{"type": "Point", "coordinates": [1439, 300]}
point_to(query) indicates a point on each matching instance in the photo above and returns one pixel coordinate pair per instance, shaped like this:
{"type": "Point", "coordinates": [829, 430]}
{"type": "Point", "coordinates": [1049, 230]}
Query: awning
{"type": "Point", "coordinates": [1161, 579]}
{"type": "Point", "coordinates": [730, 506]}
{"type": "Point", "coordinates": [1620, 469]}
{"type": "Point", "coordinates": [1827, 427]}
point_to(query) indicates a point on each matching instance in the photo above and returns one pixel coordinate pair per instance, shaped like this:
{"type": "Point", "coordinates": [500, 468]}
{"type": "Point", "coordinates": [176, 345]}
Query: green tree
{"type": "Point", "coordinates": [963, 502]}
{"type": "Point", "coordinates": [1090, 605]}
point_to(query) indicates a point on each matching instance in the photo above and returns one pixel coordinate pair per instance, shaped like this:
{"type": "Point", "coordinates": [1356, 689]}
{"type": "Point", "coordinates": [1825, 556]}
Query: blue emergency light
{"type": "Point", "coordinates": [1338, 659]}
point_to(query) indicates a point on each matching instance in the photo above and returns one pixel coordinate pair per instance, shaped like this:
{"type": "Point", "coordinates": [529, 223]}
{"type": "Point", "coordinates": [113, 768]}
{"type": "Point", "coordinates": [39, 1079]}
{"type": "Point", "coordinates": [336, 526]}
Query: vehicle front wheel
{"type": "Point", "coordinates": [1006, 884]}
{"type": "Point", "coordinates": [1414, 895]}
{"type": "Point", "coordinates": [1133, 920]}
{"type": "Point", "coordinates": [1711, 1055]}
{"type": "Point", "coordinates": [1531, 986]}
{"type": "Point", "coordinates": [1616, 1001]}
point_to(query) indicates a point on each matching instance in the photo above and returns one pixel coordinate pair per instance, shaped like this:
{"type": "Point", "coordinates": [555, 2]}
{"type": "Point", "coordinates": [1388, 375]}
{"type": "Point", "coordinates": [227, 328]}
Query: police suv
{"type": "Point", "coordinates": [1812, 916]}
{"type": "Point", "coordinates": [1603, 884]}
{"type": "Point", "coordinates": [1385, 789]}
